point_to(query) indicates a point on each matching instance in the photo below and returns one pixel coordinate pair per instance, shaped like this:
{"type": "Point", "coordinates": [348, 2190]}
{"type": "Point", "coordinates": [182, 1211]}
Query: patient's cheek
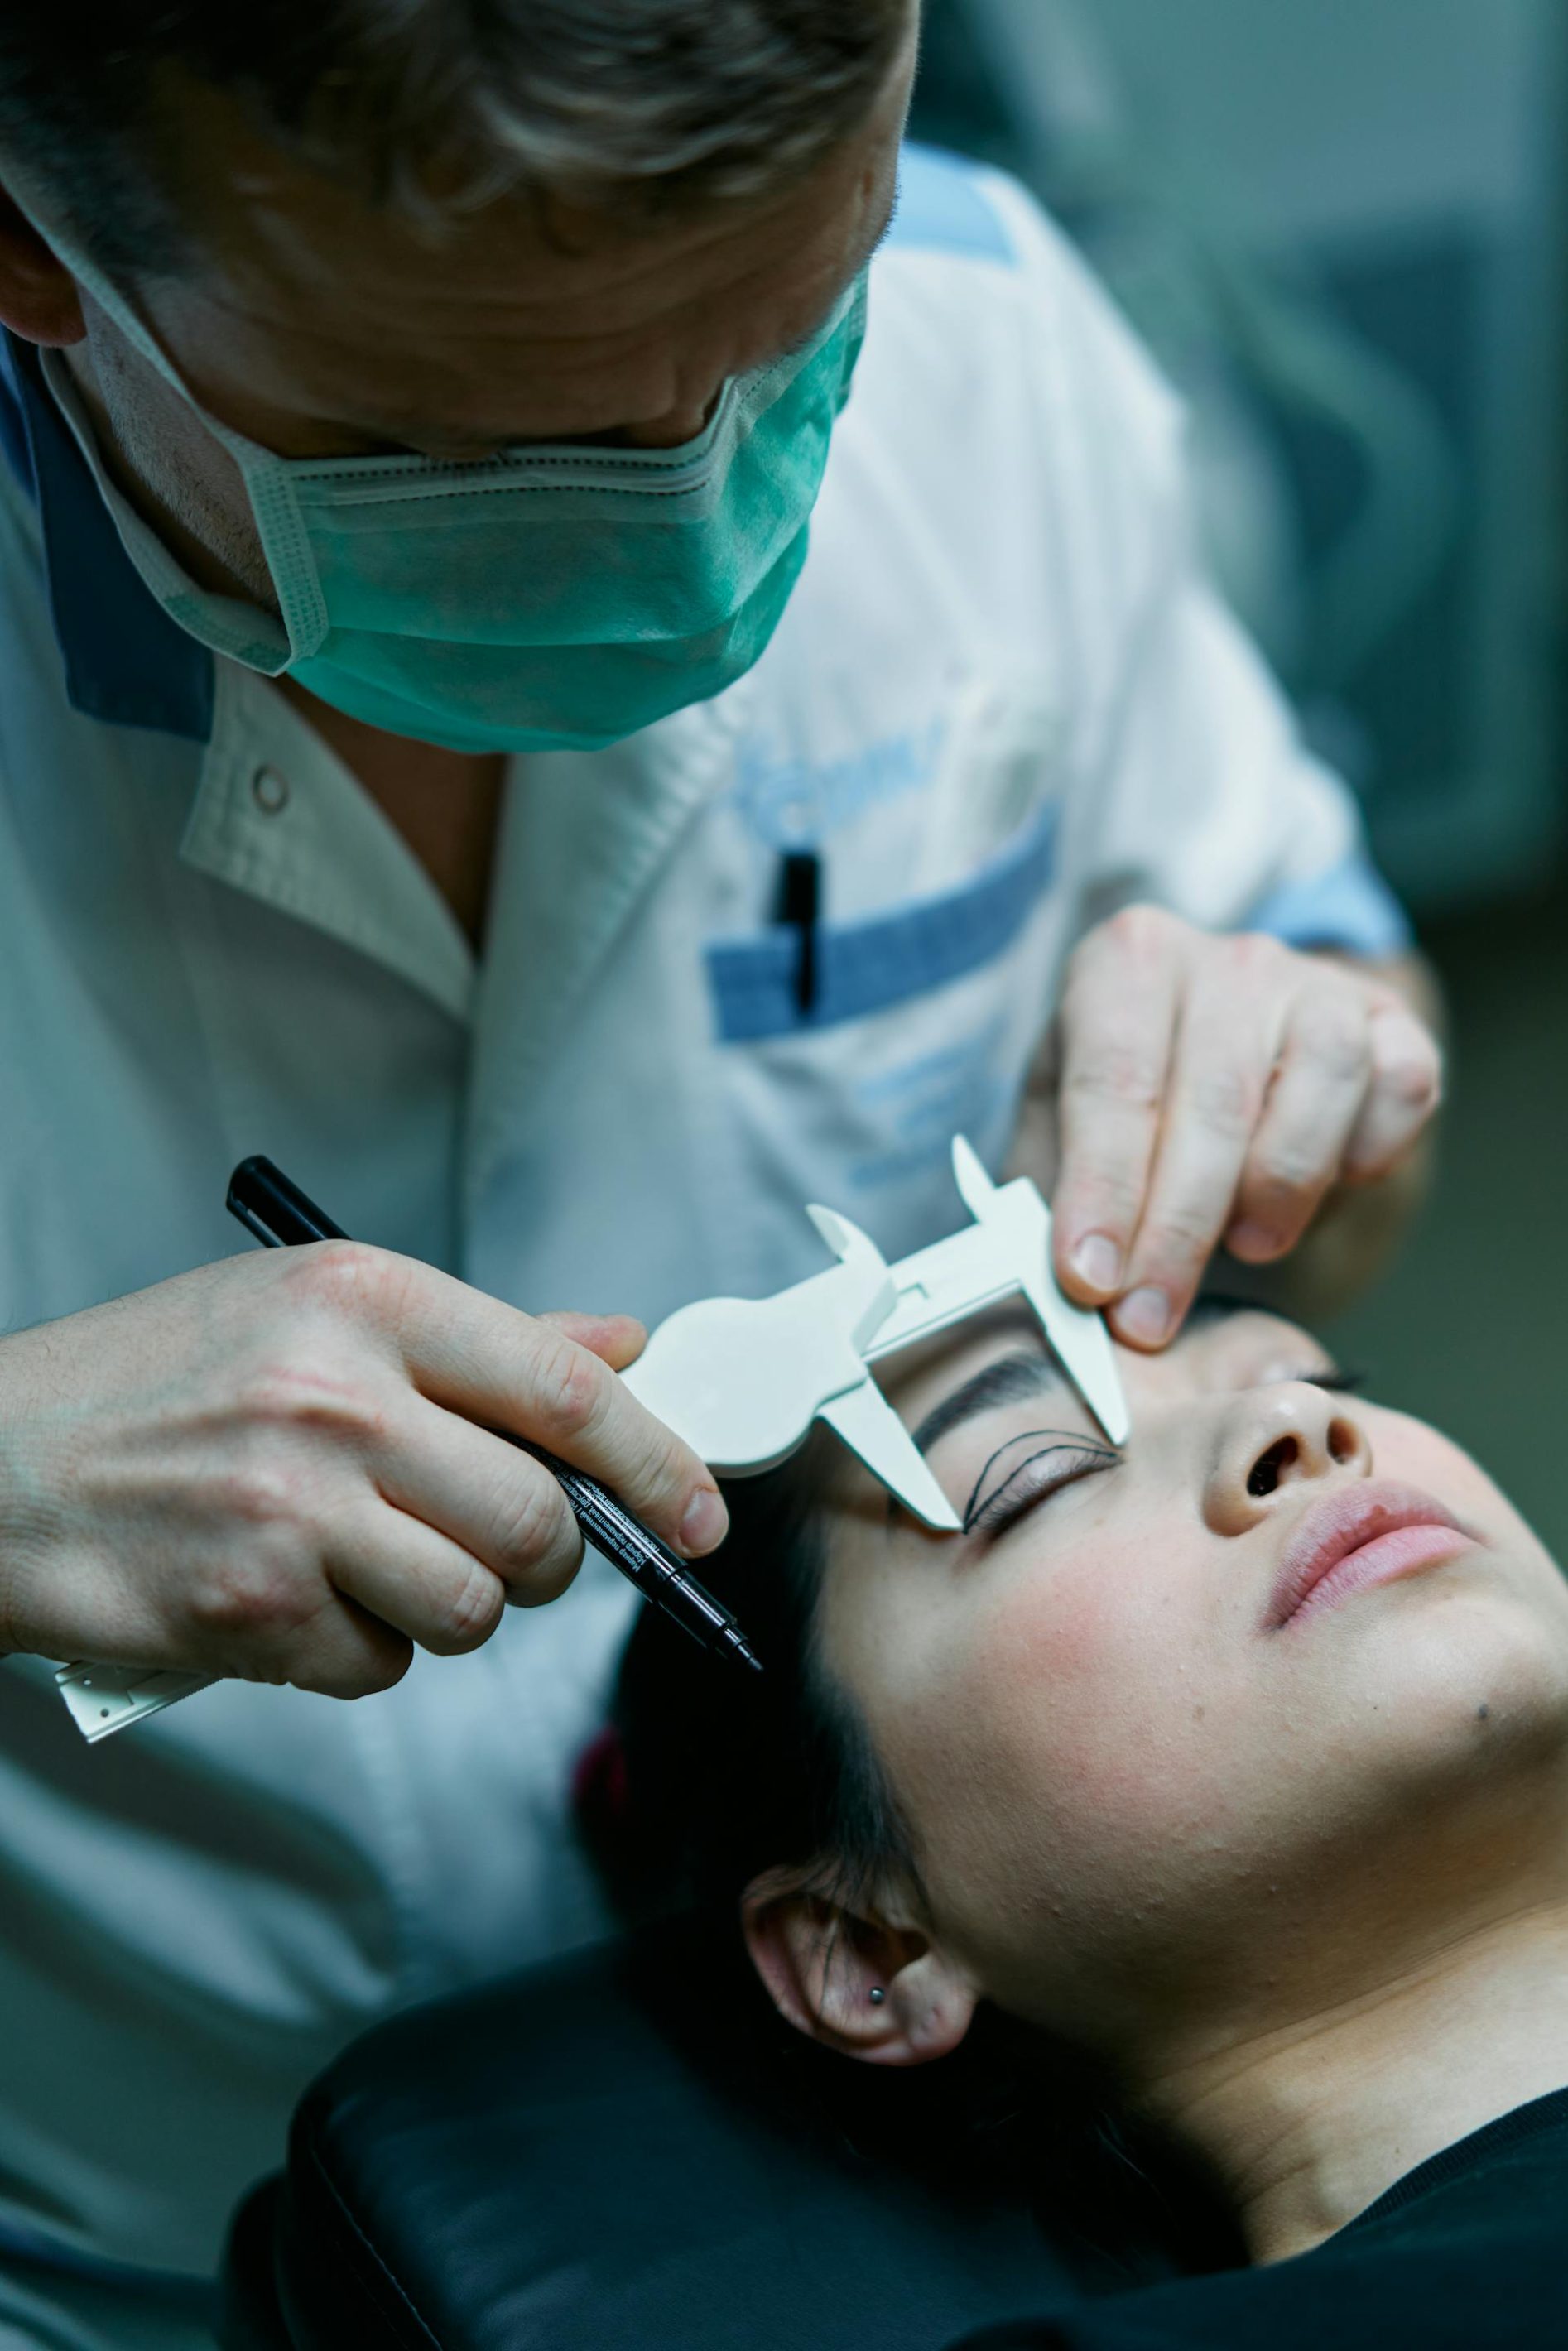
{"type": "Point", "coordinates": [1089, 1682]}
{"type": "Point", "coordinates": [1067, 1713]}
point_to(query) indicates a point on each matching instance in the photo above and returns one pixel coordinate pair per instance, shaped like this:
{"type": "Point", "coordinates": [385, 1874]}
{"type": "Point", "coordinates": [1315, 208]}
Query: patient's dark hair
{"type": "Point", "coordinates": [714, 1773]}
{"type": "Point", "coordinates": [710, 1776]}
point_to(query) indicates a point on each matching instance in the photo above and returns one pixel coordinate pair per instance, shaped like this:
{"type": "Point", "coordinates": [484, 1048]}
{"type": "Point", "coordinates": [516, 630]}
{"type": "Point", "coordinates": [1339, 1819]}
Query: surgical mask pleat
{"type": "Point", "coordinates": [560, 599]}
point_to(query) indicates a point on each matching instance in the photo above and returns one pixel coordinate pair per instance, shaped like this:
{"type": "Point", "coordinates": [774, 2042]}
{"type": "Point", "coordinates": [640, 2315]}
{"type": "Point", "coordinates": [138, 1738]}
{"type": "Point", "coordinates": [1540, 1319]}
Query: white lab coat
{"type": "Point", "coordinates": [1002, 704]}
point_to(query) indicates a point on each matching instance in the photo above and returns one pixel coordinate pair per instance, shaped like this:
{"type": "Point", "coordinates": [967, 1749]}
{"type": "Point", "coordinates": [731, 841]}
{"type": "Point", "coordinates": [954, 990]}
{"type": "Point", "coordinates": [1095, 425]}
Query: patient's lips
{"type": "Point", "coordinates": [1364, 1535]}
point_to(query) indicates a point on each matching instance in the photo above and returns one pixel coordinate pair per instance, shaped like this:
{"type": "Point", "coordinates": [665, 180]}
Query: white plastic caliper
{"type": "Point", "coordinates": [743, 1380]}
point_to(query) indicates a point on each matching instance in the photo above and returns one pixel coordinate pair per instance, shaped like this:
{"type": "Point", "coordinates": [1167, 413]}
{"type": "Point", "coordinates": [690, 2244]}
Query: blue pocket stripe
{"type": "Point", "coordinates": [864, 967]}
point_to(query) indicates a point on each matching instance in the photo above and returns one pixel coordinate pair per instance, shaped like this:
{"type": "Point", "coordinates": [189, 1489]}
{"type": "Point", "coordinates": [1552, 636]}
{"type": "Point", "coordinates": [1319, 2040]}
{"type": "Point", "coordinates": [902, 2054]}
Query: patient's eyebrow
{"type": "Point", "coordinates": [1012, 1379]}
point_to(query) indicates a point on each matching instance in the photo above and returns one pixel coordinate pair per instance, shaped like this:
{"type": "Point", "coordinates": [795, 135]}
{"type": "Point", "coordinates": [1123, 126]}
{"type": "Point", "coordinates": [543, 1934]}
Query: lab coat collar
{"type": "Point", "coordinates": [277, 815]}
{"type": "Point", "coordinates": [584, 842]}
{"type": "Point", "coordinates": [329, 858]}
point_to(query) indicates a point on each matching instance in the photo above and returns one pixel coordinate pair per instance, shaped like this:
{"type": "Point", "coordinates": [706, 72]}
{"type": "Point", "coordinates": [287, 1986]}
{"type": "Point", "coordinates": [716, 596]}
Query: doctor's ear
{"type": "Point", "coordinates": [874, 1987]}
{"type": "Point", "coordinates": [38, 297]}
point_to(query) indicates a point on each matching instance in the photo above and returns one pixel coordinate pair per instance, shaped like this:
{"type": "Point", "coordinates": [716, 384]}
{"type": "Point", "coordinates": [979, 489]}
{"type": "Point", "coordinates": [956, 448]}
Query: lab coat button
{"type": "Point", "coordinates": [269, 791]}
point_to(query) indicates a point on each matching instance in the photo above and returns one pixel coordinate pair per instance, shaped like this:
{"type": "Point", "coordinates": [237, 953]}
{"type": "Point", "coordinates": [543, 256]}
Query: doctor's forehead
{"type": "Point", "coordinates": [312, 293]}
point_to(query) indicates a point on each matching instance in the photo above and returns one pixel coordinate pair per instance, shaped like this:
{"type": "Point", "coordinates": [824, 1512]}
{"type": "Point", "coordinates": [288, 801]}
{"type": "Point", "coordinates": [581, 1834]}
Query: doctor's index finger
{"type": "Point", "coordinates": [1315, 1096]}
{"type": "Point", "coordinates": [1406, 1091]}
{"type": "Point", "coordinates": [532, 1378]}
{"type": "Point", "coordinates": [1117, 1030]}
{"type": "Point", "coordinates": [616, 1339]}
{"type": "Point", "coordinates": [1225, 1047]}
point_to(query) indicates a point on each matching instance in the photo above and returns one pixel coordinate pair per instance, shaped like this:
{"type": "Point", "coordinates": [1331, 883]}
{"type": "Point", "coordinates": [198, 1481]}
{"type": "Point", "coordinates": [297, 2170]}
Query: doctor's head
{"type": "Point", "coordinates": [1170, 1744]}
{"type": "Point", "coordinates": [365, 227]}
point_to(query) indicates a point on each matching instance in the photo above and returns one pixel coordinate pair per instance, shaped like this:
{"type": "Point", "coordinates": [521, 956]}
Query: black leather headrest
{"type": "Point", "coordinates": [626, 2150]}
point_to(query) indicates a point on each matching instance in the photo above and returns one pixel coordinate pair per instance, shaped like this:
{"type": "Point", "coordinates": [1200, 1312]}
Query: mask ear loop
{"type": "Point", "coordinates": [285, 542]}
{"type": "Point", "coordinates": [243, 632]}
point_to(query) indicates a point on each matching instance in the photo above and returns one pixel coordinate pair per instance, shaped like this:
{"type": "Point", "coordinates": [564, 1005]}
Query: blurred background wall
{"type": "Point", "coordinates": [1343, 224]}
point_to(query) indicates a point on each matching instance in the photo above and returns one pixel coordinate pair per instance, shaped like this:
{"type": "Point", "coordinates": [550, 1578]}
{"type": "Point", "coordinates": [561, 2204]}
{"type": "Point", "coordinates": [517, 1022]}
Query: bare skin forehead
{"type": "Point", "coordinates": [314, 298]}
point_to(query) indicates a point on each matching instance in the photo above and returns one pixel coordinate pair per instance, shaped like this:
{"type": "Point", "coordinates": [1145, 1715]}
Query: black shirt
{"type": "Point", "coordinates": [1470, 2250]}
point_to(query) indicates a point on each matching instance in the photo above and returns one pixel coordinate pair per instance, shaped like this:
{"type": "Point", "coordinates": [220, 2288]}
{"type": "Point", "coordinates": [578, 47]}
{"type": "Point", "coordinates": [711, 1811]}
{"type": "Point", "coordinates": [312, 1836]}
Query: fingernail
{"type": "Point", "coordinates": [1252, 1241]}
{"type": "Point", "coordinates": [1144, 1317]}
{"type": "Point", "coordinates": [1097, 1262]}
{"type": "Point", "coordinates": [706, 1524]}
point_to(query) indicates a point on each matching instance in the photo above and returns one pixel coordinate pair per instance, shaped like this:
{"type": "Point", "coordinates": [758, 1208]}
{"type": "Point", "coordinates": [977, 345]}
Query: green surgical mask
{"type": "Point", "coordinates": [553, 598]}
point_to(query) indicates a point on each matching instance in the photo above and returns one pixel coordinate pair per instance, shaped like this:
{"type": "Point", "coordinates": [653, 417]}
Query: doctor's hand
{"type": "Point", "coordinates": [1201, 1091]}
{"type": "Point", "coordinates": [282, 1468]}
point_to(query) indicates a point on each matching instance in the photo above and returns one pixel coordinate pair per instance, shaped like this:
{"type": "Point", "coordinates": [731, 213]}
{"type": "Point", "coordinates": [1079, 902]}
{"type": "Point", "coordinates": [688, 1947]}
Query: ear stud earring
{"type": "Point", "coordinates": [877, 1995]}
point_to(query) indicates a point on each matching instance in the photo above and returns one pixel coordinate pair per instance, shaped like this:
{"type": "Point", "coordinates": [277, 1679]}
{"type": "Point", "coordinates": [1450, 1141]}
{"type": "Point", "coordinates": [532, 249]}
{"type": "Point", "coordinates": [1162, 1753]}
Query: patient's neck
{"type": "Point", "coordinates": [1311, 2117]}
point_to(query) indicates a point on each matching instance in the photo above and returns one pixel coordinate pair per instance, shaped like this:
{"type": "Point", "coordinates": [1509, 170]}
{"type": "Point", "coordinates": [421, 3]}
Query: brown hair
{"type": "Point", "coordinates": [436, 105]}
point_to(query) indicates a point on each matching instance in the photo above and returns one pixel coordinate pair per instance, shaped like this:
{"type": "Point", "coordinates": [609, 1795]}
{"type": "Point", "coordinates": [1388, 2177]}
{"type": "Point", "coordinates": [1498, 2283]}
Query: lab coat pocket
{"type": "Point", "coordinates": [859, 968]}
{"type": "Point", "coordinates": [849, 1060]}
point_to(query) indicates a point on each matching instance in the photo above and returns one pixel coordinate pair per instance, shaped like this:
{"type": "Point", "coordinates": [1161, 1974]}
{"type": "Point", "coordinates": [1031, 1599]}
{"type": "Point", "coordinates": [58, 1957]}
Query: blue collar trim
{"type": "Point", "coordinates": [126, 662]}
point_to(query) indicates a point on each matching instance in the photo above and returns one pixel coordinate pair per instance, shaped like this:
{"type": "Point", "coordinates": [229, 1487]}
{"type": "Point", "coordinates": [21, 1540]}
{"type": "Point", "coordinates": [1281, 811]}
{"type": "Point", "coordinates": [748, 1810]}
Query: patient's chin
{"type": "Point", "coordinates": [1464, 1694]}
{"type": "Point", "coordinates": [1445, 1754]}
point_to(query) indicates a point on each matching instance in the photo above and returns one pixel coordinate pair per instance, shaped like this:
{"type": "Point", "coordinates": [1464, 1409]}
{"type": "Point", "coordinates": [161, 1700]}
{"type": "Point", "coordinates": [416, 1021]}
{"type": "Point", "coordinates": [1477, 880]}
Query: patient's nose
{"type": "Point", "coordinates": [1280, 1439]}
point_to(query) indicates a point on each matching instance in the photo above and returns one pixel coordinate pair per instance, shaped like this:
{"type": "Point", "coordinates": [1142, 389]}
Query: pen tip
{"type": "Point", "coordinates": [747, 1656]}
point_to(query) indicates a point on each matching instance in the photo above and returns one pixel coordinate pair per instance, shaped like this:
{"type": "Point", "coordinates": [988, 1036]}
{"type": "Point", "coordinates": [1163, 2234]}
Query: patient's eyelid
{"type": "Point", "coordinates": [1027, 1482]}
{"type": "Point", "coordinates": [1291, 1370]}
{"type": "Point", "coordinates": [1337, 1382]}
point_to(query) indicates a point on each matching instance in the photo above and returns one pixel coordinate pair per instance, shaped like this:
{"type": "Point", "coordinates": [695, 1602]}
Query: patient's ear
{"type": "Point", "coordinates": [874, 1987]}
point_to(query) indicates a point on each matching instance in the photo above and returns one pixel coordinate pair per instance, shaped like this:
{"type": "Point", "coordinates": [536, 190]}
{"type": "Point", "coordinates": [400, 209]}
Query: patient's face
{"type": "Point", "coordinates": [1154, 1712]}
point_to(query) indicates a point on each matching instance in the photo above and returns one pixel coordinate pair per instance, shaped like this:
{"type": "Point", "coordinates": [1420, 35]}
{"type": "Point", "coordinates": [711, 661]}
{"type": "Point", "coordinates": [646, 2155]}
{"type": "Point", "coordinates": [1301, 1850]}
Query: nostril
{"type": "Point", "coordinates": [1265, 1473]}
{"type": "Point", "coordinates": [1343, 1443]}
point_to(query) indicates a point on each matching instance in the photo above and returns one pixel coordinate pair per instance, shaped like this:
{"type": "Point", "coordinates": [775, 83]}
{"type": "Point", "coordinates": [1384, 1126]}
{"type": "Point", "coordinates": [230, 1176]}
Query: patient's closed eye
{"type": "Point", "coordinates": [1027, 1471]}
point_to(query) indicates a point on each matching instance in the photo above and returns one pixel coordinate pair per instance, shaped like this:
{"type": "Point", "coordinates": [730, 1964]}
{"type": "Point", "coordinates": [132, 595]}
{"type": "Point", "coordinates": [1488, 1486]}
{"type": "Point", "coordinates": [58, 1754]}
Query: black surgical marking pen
{"type": "Point", "coordinates": [280, 1216]}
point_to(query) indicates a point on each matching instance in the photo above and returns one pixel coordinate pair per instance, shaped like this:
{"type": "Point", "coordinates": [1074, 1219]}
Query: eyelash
{"type": "Point", "coordinates": [1008, 1505]}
